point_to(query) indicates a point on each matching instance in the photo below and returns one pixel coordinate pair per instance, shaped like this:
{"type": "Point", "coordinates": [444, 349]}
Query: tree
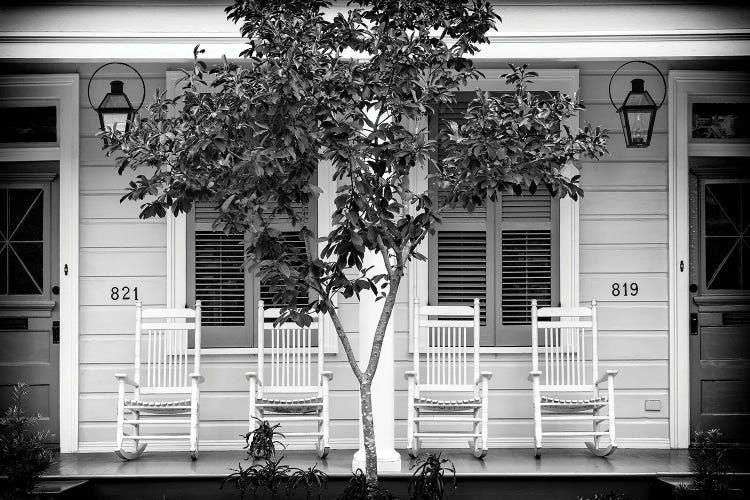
{"type": "Point", "coordinates": [346, 89]}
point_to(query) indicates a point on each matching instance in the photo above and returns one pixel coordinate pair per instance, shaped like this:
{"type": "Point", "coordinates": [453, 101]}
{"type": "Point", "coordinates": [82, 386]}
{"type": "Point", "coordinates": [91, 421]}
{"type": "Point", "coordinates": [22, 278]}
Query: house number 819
{"type": "Point", "coordinates": [124, 293]}
{"type": "Point", "coordinates": [624, 289]}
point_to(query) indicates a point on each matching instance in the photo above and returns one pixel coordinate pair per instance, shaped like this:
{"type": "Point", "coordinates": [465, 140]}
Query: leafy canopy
{"type": "Point", "coordinates": [353, 89]}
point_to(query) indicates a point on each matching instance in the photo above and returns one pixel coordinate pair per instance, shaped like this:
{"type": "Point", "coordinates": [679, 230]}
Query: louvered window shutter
{"type": "Point", "coordinates": [458, 263]}
{"type": "Point", "coordinates": [526, 264]}
{"type": "Point", "coordinates": [229, 295]}
{"type": "Point", "coordinates": [504, 253]}
{"type": "Point", "coordinates": [216, 278]}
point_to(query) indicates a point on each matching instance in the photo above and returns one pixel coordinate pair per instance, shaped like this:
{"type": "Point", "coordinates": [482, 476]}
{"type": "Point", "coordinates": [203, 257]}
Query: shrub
{"type": "Point", "coordinates": [428, 480]}
{"type": "Point", "coordinates": [312, 479]}
{"type": "Point", "coordinates": [710, 472]}
{"type": "Point", "coordinates": [359, 489]}
{"type": "Point", "coordinates": [607, 496]}
{"type": "Point", "coordinates": [23, 455]}
{"type": "Point", "coordinates": [260, 443]}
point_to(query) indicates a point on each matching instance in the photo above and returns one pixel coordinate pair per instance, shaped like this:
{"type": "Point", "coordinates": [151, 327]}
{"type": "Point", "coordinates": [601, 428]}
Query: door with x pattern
{"type": "Point", "coordinates": [28, 289]}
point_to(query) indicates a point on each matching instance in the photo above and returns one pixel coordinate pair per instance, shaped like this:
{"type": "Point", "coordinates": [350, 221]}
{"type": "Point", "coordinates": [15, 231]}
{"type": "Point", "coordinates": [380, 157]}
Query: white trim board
{"type": "Point", "coordinates": [63, 90]}
{"type": "Point", "coordinates": [350, 444]}
{"type": "Point", "coordinates": [562, 80]}
{"type": "Point", "coordinates": [683, 86]}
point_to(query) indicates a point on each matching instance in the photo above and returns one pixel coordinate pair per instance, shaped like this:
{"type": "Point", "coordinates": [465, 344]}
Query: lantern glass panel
{"type": "Point", "coordinates": [115, 120]}
{"type": "Point", "coordinates": [639, 122]}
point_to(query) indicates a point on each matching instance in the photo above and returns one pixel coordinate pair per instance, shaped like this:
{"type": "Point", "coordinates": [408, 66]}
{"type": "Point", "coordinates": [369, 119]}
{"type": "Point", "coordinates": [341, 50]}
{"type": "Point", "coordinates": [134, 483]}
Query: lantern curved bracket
{"type": "Point", "coordinates": [143, 84]}
{"type": "Point", "coordinates": [663, 80]}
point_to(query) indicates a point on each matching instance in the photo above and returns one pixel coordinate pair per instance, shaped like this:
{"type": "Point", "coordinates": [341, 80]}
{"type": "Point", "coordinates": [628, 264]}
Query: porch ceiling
{"type": "Point", "coordinates": [167, 31]}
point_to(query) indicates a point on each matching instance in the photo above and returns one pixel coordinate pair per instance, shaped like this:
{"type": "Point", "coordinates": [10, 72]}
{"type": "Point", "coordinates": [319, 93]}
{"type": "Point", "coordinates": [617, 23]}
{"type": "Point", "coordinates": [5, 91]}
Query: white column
{"type": "Point", "coordinates": [382, 385]}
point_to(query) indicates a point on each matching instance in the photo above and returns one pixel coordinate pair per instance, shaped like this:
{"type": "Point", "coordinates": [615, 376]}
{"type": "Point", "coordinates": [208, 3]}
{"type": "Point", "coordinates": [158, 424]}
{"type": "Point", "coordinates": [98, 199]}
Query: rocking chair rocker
{"type": "Point", "coordinates": [161, 336]}
{"type": "Point", "coordinates": [562, 391]}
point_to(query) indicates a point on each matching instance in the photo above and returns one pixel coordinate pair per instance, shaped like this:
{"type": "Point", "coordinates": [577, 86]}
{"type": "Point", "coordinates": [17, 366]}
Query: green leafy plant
{"type": "Point", "coordinates": [311, 479]}
{"type": "Point", "coordinates": [260, 443]}
{"type": "Point", "coordinates": [270, 475]}
{"type": "Point", "coordinates": [711, 480]}
{"type": "Point", "coordinates": [23, 454]}
{"type": "Point", "coordinates": [348, 91]}
{"type": "Point", "coordinates": [428, 479]}
{"type": "Point", "coordinates": [359, 488]}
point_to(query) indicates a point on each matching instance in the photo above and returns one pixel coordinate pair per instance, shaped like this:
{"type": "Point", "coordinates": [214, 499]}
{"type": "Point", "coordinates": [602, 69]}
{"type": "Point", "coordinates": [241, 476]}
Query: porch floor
{"type": "Point", "coordinates": [498, 463]}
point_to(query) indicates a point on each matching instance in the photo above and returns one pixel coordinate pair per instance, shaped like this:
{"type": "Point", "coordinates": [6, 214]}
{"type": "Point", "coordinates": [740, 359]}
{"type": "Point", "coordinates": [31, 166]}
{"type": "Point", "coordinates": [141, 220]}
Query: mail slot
{"type": "Point", "coordinates": [14, 323]}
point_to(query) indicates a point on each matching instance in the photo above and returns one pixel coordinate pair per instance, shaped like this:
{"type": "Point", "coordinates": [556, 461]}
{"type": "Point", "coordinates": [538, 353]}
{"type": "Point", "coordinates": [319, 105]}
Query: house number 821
{"type": "Point", "coordinates": [124, 293]}
{"type": "Point", "coordinates": [624, 289]}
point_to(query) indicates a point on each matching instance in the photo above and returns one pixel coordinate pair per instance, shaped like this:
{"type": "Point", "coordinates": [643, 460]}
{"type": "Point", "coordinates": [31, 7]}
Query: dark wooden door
{"type": "Point", "coordinates": [29, 310]}
{"type": "Point", "coordinates": [720, 305]}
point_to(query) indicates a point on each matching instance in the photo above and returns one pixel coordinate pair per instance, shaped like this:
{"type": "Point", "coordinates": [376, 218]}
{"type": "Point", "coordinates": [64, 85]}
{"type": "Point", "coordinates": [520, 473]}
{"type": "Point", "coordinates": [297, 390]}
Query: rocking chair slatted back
{"type": "Point", "coordinates": [290, 357]}
{"type": "Point", "coordinates": [565, 356]}
{"type": "Point", "coordinates": [450, 360]}
{"type": "Point", "coordinates": [165, 334]}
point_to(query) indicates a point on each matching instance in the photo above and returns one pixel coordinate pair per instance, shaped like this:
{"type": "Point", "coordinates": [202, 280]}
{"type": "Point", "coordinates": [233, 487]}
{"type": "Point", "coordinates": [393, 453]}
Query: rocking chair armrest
{"type": "Point", "coordinates": [411, 376]}
{"type": "Point", "coordinates": [253, 375]}
{"type": "Point", "coordinates": [484, 377]}
{"type": "Point", "coordinates": [123, 378]}
{"type": "Point", "coordinates": [534, 375]}
{"type": "Point", "coordinates": [326, 374]}
{"type": "Point", "coordinates": [609, 374]}
{"type": "Point", "coordinates": [197, 377]}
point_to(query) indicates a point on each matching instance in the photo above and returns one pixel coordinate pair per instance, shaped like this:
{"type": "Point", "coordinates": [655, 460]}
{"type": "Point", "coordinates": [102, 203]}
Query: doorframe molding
{"type": "Point", "coordinates": [684, 86]}
{"type": "Point", "coordinates": [63, 89]}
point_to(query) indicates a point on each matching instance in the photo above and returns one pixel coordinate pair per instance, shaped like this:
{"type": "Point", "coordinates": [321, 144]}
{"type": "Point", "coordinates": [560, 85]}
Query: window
{"type": "Point", "coordinates": [23, 232]}
{"type": "Point", "coordinates": [505, 253]}
{"type": "Point", "coordinates": [229, 295]}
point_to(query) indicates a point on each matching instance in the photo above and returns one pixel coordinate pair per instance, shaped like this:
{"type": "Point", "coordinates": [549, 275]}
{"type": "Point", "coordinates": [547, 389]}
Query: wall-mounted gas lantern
{"type": "Point", "coordinates": [638, 110]}
{"type": "Point", "coordinates": [116, 111]}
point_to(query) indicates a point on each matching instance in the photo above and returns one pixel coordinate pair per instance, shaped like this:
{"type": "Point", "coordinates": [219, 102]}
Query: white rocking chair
{"type": "Point", "coordinates": [161, 337]}
{"type": "Point", "coordinates": [447, 364]}
{"type": "Point", "coordinates": [563, 388]}
{"type": "Point", "coordinates": [290, 384]}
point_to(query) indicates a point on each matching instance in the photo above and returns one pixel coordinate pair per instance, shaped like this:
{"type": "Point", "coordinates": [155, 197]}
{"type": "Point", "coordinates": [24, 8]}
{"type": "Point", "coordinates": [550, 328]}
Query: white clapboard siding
{"type": "Point", "coordinates": [623, 237]}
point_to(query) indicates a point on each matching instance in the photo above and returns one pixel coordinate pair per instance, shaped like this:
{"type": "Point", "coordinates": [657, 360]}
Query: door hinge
{"type": "Point", "coordinates": [55, 332]}
{"type": "Point", "coordinates": [65, 269]}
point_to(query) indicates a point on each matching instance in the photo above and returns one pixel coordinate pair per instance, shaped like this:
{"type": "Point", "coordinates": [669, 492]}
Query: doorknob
{"type": "Point", "coordinates": [56, 290]}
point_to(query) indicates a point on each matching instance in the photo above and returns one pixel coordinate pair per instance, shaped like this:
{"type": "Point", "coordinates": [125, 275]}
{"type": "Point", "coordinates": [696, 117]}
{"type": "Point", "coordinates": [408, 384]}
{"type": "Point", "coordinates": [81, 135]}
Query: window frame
{"type": "Point", "coordinates": [177, 242]}
{"type": "Point", "coordinates": [552, 80]}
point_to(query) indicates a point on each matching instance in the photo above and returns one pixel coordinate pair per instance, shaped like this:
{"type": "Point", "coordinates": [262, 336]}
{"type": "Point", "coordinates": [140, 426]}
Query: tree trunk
{"type": "Point", "coordinates": [368, 434]}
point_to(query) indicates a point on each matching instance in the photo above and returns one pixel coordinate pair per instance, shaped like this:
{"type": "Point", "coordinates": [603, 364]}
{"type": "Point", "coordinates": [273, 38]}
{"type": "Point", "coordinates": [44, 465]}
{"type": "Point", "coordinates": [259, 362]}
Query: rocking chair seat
{"type": "Point", "coordinates": [429, 404]}
{"type": "Point", "coordinates": [153, 407]}
{"type": "Point", "coordinates": [303, 405]}
{"type": "Point", "coordinates": [573, 405]}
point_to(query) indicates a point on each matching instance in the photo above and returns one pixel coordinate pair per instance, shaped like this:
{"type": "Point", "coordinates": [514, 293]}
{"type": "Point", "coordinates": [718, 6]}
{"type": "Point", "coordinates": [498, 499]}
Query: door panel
{"type": "Point", "coordinates": [28, 297]}
{"type": "Point", "coordinates": [720, 291]}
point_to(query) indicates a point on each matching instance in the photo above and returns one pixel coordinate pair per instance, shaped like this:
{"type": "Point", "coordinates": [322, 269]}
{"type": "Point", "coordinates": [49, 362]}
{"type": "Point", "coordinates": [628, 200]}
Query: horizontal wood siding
{"type": "Point", "coordinates": [623, 239]}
